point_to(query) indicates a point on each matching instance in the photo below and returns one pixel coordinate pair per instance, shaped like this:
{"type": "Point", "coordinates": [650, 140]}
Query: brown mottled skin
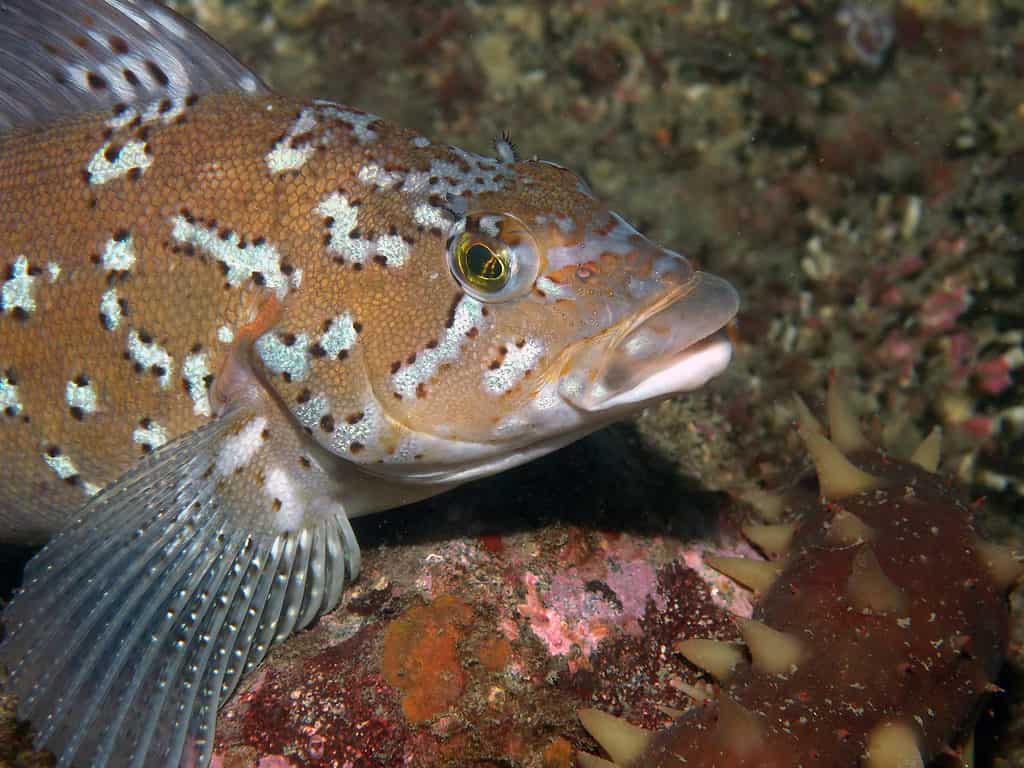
{"type": "Point", "coordinates": [929, 663]}
{"type": "Point", "coordinates": [207, 164]}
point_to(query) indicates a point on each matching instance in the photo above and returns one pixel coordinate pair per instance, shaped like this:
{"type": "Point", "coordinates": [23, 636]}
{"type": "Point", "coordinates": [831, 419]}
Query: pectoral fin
{"type": "Point", "coordinates": [137, 622]}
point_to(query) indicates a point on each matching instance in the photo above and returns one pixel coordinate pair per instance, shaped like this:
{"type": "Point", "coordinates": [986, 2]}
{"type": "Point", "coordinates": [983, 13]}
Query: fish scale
{"type": "Point", "coordinates": [232, 320]}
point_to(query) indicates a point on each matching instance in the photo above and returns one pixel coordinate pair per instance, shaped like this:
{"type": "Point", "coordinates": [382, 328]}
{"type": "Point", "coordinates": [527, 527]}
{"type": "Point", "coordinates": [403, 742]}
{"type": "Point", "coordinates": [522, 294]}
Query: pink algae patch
{"type": "Point", "coordinates": [582, 605]}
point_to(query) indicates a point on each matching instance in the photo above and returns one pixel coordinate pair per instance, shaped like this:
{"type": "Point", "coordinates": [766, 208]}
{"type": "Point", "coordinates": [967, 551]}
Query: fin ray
{"type": "Point", "coordinates": [66, 57]}
{"type": "Point", "coordinates": [137, 622]}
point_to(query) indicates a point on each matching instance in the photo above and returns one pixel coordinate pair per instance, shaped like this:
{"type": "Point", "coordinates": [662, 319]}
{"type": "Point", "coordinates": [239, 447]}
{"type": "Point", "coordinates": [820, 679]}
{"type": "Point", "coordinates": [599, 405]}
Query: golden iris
{"type": "Point", "coordinates": [482, 266]}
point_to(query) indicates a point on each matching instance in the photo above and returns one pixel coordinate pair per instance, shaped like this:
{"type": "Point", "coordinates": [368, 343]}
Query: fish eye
{"type": "Point", "coordinates": [493, 256]}
{"type": "Point", "coordinates": [481, 265]}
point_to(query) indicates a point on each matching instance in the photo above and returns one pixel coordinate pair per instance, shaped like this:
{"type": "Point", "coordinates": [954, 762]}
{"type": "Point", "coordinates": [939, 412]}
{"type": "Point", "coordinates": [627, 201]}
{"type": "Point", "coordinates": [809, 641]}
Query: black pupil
{"type": "Point", "coordinates": [483, 262]}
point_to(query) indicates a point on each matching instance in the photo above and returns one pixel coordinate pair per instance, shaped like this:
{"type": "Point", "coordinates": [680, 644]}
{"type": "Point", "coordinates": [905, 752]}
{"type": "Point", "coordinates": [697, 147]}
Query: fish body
{"type": "Point", "coordinates": [232, 320]}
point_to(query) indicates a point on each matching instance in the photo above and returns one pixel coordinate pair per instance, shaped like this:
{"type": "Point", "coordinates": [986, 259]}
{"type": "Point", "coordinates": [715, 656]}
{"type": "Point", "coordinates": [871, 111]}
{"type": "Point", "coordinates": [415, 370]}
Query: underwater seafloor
{"type": "Point", "coordinates": [855, 169]}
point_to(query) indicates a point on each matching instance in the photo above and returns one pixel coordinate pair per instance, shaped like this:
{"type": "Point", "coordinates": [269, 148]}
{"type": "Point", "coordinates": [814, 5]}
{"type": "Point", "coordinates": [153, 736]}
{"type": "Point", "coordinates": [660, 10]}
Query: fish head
{"type": "Point", "coordinates": [536, 316]}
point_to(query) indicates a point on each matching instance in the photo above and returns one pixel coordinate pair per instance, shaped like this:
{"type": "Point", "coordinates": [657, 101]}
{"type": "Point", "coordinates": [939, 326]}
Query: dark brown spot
{"type": "Point", "coordinates": [472, 333]}
{"type": "Point", "coordinates": [454, 306]}
{"type": "Point", "coordinates": [495, 365]}
{"type": "Point", "coordinates": [158, 370]}
{"type": "Point", "coordinates": [146, 447]}
{"type": "Point", "coordinates": [77, 413]}
{"type": "Point", "coordinates": [317, 350]}
{"type": "Point", "coordinates": [158, 74]}
{"type": "Point", "coordinates": [432, 344]}
{"type": "Point", "coordinates": [327, 423]}
{"type": "Point", "coordinates": [357, 327]}
{"type": "Point", "coordinates": [81, 380]}
{"type": "Point", "coordinates": [421, 390]}
{"type": "Point", "coordinates": [130, 77]}
{"type": "Point", "coordinates": [73, 480]}
{"type": "Point", "coordinates": [191, 100]}
{"type": "Point", "coordinates": [111, 152]}
{"type": "Point", "coordinates": [356, 446]}
{"type": "Point", "coordinates": [304, 397]}
{"type": "Point", "coordinates": [196, 348]}
{"type": "Point", "coordinates": [118, 44]}
{"type": "Point", "coordinates": [145, 338]}
{"type": "Point", "coordinates": [288, 339]}
{"type": "Point", "coordinates": [134, 174]}
{"type": "Point", "coordinates": [53, 451]}
{"type": "Point", "coordinates": [276, 505]}
{"type": "Point", "coordinates": [396, 366]}
{"type": "Point", "coordinates": [96, 82]}
{"type": "Point", "coordinates": [305, 462]}
{"type": "Point", "coordinates": [258, 278]}
{"type": "Point", "coordinates": [265, 434]}
{"type": "Point", "coordinates": [411, 359]}
{"type": "Point", "coordinates": [343, 355]}
{"type": "Point", "coordinates": [355, 418]}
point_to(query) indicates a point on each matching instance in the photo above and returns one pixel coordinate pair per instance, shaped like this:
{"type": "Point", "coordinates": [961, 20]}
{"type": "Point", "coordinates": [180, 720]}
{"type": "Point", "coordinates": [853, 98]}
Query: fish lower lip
{"type": "Point", "coordinates": [672, 347]}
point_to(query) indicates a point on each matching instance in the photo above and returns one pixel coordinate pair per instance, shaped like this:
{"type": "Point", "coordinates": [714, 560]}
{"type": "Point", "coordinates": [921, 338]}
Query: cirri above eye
{"type": "Point", "coordinates": [493, 256]}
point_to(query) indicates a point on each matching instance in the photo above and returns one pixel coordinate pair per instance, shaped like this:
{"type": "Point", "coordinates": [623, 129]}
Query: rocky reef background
{"type": "Point", "coordinates": [855, 168]}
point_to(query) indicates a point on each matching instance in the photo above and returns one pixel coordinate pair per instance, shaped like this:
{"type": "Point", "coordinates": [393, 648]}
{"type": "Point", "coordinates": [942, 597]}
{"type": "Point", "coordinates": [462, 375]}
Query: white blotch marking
{"type": "Point", "coordinates": [518, 360]}
{"type": "Point", "coordinates": [468, 314]}
{"type": "Point", "coordinates": [420, 141]}
{"type": "Point", "coordinates": [10, 402]}
{"type": "Point", "coordinates": [238, 450]}
{"type": "Point", "coordinates": [242, 262]}
{"type": "Point", "coordinates": [132, 155]}
{"type": "Point", "coordinates": [340, 337]}
{"type": "Point", "coordinates": [63, 466]}
{"type": "Point", "coordinates": [225, 335]}
{"type": "Point", "coordinates": [195, 370]}
{"type": "Point", "coordinates": [83, 397]}
{"type": "Point", "coordinates": [110, 310]}
{"type": "Point", "coordinates": [365, 431]}
{"type": "Point", "coordinates": [344, 221]}
{"type": "Point", "coordinates": [430, 217]}
{"type": "Point", "coordinates": [359, 122]}
{"type": "Point", "coordinates": [119, 255]}
{"type": "Point", "coordinates": [463, 172]}
{"type": "Point", "coordinates": [279, 357]}
{"type": "Point", "coordinates": [19, 291]}
{"type": "Point", "coordinates": [309, 412]}
{"type": "Point", "coordinates": [149, 355]}
{"type": "Point", "coordinates": [152, 435]}
{"type": "Point", "coordinates": [317, 127]}
{"type": "Point", "coordinates": [280, 486]}
{"type": "Point", "coordinates": [393, 248]}
{"type": "Point", "coordinates": [553, 290]}
{"type": "Point", "coordinates": [284, 155]}
{"type": "Point", "coordinates": [296, 276]}
{"type": "Point", "coordinates": [373, 175]}
{"type": "Point", "coordinates": [53, 270]}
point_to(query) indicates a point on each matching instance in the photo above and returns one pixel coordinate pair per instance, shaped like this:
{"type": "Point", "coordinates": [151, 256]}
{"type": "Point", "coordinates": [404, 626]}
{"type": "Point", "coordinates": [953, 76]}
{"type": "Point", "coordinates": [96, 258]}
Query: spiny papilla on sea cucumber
{"type": "Point", "coordinates": [880, 627]}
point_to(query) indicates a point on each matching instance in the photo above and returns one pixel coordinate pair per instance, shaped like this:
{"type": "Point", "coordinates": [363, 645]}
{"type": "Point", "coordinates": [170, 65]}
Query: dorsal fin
{"type": "Point", "coordinates": [67, 57]}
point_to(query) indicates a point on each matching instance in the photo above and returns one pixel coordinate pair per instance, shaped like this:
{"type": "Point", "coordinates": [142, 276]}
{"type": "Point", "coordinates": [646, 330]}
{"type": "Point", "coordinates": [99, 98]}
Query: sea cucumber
{"type": "Point", "coordinates": [879, 631]}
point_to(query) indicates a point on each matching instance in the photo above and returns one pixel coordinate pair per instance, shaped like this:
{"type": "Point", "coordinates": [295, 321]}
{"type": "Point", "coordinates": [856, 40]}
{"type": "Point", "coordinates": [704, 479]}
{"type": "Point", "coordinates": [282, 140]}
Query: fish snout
{"type": "Point", "coordinates": [673, 344]}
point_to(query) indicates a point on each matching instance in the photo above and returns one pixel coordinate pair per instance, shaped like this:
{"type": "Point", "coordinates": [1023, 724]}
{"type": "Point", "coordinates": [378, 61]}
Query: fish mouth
{"type": "Point", "coordinates": [674, 345]}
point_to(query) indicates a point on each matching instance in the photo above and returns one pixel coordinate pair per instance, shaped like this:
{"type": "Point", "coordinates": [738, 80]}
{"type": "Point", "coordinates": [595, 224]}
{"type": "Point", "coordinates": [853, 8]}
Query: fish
{"type": "Point", "coordinates": [232, 320]}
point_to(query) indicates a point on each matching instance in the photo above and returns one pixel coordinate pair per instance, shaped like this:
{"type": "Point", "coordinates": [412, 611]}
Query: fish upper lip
{"type": "Point", "coordinates": [681, 326]}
